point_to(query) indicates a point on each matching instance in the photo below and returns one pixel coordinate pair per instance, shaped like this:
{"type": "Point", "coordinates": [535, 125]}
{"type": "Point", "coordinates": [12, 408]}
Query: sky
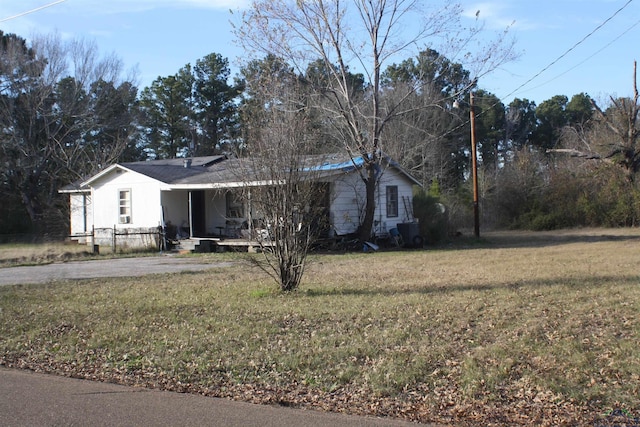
{"type": "Point", "coordinates": [565, 47]}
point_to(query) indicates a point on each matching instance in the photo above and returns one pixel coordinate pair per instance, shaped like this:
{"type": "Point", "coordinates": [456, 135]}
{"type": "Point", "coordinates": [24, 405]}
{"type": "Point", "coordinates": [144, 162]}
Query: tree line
{"type": "Point", "coordinates": [66, 113]}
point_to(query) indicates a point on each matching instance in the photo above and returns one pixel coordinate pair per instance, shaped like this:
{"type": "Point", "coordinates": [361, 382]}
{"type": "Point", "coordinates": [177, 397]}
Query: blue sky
{"type": "Point", "coordinates": [159, 36]}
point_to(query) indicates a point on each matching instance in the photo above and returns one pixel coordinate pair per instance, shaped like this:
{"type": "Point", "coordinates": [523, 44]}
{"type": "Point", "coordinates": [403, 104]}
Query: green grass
{"type": "Point", "coordinates": [516, 330]}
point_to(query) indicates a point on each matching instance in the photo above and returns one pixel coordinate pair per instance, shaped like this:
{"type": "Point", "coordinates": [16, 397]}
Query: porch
{"type": "Point", "coordinates": [216, 244]}
{"type": "Point", "coordinates": [204, 214]}
{"type": "Point", "coordinates": [224, 217]}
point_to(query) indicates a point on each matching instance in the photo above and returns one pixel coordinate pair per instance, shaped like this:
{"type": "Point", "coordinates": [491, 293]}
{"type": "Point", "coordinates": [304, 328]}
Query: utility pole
{"type": "Point", "coordinates": [474, 167]}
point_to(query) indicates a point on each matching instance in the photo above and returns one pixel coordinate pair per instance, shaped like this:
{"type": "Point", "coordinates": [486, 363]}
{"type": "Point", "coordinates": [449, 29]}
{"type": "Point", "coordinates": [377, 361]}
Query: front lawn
{"type": "Point", "coordinates": [517, 329]}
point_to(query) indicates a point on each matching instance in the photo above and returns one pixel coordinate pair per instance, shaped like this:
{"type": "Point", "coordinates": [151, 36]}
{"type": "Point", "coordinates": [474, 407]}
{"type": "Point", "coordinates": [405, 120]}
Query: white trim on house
{"type": "Point", "coordinates": [219, 185]}
{"type": "Point", "coordinates": [191, 198]}
{"type": "Point", "coordinates": [104, 172]}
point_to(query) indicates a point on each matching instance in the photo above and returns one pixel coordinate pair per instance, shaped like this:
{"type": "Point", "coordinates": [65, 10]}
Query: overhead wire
{"type": "Point", "coordinates": [564, 54]}
{"type": "Point", "coordinates": [570, 49]}
{"type": "Point", "coordinates": [590, 56]}
{"type": "Point", "coordinates": [500, 99]}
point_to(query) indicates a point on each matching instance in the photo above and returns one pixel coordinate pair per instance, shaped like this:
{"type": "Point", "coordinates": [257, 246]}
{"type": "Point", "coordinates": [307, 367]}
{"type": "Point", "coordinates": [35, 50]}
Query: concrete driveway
{"type": "Point", "coordinates": [117, 267]}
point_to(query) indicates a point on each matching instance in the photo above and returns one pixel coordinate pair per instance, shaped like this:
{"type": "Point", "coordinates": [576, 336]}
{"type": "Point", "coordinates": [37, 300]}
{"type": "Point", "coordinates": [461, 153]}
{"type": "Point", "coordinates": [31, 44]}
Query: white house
{"type": "Point", "coordinates": [197, 198]}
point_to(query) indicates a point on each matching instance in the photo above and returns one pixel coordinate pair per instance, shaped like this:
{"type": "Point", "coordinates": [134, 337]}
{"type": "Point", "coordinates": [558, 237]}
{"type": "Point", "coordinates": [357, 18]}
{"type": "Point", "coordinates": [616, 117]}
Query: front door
{"type": "Point", "coordinates": [198, 214]}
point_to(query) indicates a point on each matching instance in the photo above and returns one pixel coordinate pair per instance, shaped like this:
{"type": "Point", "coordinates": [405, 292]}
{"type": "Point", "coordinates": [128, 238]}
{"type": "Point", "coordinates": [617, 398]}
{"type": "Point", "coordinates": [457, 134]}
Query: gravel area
{"type": "Point", "coordinates": [117, 267]}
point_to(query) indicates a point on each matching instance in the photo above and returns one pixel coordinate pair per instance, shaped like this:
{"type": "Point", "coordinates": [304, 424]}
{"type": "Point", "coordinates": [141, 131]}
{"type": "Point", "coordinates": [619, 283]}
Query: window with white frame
{"type": "Point", "coordinates": [392, 201]}
{"type": "Point", "coordinates": [124, 206]}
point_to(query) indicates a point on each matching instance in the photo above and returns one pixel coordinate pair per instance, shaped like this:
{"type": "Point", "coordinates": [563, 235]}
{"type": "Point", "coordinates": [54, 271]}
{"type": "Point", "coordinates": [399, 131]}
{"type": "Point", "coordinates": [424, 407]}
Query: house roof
{"type": "Point", "coordinates": [223, 172]}
{"type": "Point", "coordinates": [74, 187]}
{"type": "Point", "coordinates": [343, 163]}
{"type": "Point", "coordinates": [173, 171]}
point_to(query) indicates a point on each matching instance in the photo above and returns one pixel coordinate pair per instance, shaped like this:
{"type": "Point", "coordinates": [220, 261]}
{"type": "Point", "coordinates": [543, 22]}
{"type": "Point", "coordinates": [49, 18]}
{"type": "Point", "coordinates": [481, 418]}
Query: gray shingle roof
{"type": "Point", "coordinates": [220, 170]}
{"type": "Point", "coordinates": [172, 171]}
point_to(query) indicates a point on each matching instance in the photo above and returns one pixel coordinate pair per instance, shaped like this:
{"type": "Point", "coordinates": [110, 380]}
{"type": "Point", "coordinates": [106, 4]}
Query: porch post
{"type": "Point", "coordinates": [84, 214]}
{"type": "Point", "coordinates": [190, 216]}
{"type": "Point", "coordinates": [249, 216]}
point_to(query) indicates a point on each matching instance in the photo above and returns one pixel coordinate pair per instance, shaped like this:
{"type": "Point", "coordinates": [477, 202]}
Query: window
{"type": "Point", "coordinates": [124, 206]}
{"type": "Point", "coordinates": [392, 201]}
{"type": "Point", "coordinates": [235, 208]}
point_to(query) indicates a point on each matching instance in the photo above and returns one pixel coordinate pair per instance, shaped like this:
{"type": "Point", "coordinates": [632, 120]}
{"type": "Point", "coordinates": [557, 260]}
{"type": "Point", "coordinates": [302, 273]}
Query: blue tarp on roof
{"type": "Point", "coordinates": [344, 166]}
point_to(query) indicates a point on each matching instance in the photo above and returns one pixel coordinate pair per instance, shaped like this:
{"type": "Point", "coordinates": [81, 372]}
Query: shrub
{"type": "Point", "coordinates": [432, 216]}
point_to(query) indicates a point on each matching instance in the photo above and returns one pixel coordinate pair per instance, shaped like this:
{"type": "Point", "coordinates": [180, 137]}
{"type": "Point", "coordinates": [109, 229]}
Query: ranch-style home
{"type": "Point", "coordinates": [197, 199]}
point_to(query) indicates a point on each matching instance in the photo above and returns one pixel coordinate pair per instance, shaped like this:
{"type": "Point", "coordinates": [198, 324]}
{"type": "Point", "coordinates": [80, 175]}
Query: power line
{"type": "Point", "coordinates": [32, 10]}
{"type": "Point", "coordinates": [570, 49]}
{"type": "Point", "coordinates": [503, 98]}
{"type": "Point", "coordinates": [590, 56]}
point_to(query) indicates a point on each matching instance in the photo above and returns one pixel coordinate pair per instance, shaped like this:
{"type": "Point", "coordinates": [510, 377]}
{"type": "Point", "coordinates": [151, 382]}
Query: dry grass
{"type": "Point", "coordinates": [518, 329]}
{"type": "Point", "coordinates": [25, 254]}
{"type": "Point", "coordinates": [18, 254]}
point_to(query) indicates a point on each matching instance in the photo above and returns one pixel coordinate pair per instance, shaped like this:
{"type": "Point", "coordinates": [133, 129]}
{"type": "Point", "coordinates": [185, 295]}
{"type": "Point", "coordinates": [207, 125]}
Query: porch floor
{"type": "Point", "coordinates": [217, 244]}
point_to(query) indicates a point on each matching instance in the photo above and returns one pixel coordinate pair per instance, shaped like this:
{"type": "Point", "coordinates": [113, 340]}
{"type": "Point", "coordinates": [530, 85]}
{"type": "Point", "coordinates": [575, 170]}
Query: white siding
{"type": "Point", "coordinates": [80, 216]}
{"type": "Point", "coordinates": [348, 200]}
{"type": "Point", "coordinates": [405, 201]}
{"type": "Point", "coordinates": [347, 203]}
{"type": "Point", "coordinates": [145, 200]}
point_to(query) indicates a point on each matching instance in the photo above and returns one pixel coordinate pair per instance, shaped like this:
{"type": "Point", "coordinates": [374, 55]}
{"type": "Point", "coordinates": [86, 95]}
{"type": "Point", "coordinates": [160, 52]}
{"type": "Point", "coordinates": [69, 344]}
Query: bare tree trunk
{"type": "Point", "coordinates": [366, 35]}
{"type": "Point", "coordinates": [370, 203]}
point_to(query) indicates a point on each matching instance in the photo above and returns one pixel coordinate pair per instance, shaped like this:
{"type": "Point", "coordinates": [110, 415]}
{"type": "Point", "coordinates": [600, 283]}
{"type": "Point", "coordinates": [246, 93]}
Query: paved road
{"type": "Point", "coordinates": [117, 267]}
{"type": "Point", "coordinates": [29, 399]}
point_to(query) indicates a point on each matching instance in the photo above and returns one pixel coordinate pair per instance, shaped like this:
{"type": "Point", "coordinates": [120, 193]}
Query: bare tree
{"type": "Point", "coordinates": [283, 185]}
{"type": "Point", "coordinates": [365, 35]}
{"type": "Point", "coordinates": [622, 121]}
{"type": "Point", "coordinates": [64, 114]}
{"type": "Point", "coordinates": [427, 139]}
{"type": "Point", "coordinates": [613, 138]}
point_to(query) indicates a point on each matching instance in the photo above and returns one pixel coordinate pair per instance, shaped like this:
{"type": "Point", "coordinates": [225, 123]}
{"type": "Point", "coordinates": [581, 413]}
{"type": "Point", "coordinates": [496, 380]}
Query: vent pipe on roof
{"type": "Point", "coordinates": [187, 163]}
